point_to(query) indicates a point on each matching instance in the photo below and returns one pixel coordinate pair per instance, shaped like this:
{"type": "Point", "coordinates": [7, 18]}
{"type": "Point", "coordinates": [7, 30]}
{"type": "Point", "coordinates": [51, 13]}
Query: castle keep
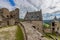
{"type": "Point", "coordinates": [9, 17]}
{"type": "Point", "coordinates": [35, 18]}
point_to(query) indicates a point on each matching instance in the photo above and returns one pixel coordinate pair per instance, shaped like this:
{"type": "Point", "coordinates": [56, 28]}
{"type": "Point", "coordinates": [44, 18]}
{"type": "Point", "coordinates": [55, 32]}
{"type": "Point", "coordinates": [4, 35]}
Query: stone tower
{"type": "Point", "coordinates": [35, 18]}
{"type": "Point", "coordinates": [5, 12]}
{"type": "Point", "coordinates": [14, 15]}
{"type": "Point", "coordinates": [55, 25]}
{"type": "Point", "coordinates": [4, 16]}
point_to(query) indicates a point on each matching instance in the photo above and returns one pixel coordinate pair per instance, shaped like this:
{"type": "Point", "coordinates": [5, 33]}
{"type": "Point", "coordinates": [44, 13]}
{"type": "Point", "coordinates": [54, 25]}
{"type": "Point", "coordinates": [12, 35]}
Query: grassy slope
{"type": "Point", "coordinates": [53, 35]}
{"type": "Point", "coordinates": [19, 34]}
{"type": "Point", "coordinates": [11, 33]}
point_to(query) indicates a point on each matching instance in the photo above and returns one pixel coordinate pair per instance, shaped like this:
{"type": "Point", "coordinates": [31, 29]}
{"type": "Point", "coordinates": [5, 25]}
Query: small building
{"type": "Point", "coordinates": [35, 18]}
{"type": "Point", "coordinates": [54, 28]}
{"type": "Point", "coordinates": [55, 25]}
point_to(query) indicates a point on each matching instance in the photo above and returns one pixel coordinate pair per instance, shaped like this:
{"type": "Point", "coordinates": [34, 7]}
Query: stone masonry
{"type": "Point", "coordinates": [9, 17]}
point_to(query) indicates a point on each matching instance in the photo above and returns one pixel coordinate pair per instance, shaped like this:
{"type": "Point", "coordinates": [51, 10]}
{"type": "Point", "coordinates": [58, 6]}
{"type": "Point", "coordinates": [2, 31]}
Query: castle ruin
{"type": "Point", "coordinates": [9, 17]}
{"type": "Point", "coordinates": [35, 18]}
{"type": "Point", "coordinates": [55, 25]}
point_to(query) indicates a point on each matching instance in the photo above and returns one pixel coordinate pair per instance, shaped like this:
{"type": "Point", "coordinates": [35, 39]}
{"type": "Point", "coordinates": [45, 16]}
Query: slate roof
{"type": "Point", "coordinates": [33, 16]}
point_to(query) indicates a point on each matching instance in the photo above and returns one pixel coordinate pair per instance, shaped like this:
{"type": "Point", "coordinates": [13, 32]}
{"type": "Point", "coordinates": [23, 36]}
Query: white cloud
{"type": "Point", "coordinates": [48, 4]}
{"type": "Point", "coordinates": [25, 6]}
{"type": "Point", "coordinates": [5, 4]}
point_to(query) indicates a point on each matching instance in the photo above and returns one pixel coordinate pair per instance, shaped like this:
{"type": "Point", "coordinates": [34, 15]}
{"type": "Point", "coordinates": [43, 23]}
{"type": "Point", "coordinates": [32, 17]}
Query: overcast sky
{"type": "Point", "coordinates": [47, 6]}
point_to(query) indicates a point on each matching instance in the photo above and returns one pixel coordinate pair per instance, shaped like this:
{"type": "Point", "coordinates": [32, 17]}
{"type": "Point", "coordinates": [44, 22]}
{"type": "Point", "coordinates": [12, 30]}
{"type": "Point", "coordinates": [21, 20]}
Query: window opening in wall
{"type": "Point", "coordinates": [31, 16]}
{"type": "Point", "coordinates": [53, 23]}
{"type": "Point", "coordinates": [53, 29]}
{"type": "Point", "coordinates": [7, 16]}
{"type": "Point", "coordinates": [37, 16]}
{"type": "Point", "coordinates": [34, 27]}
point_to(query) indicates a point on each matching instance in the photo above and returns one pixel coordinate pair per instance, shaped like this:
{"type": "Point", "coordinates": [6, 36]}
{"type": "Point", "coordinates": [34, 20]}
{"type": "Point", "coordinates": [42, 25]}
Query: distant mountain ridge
{"type": "Point", "coordinates": [50, 16]}
{"type": "Point", "coordinates": [49, 21]}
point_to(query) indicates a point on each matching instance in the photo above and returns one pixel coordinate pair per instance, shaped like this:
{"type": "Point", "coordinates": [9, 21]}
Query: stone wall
{"type": "Point", "coordinates": [47, 30]}
{"type": "Point", "coordinates": [55, 27]}
{"type": "Point", "coordinates": [38, 25]}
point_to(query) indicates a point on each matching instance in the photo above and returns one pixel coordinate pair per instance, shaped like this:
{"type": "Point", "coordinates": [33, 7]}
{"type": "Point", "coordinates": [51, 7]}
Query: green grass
{"type": "Point", "coordinates": [52, 35]}
{"type": "Point", "coordinates": [19, 34]}
{"type": "Point", "coordinates": [21, 20]}
{"type": "Point", "coordinates": [48, 36]}
{"type": "Point", "coordinates": [45, 25]}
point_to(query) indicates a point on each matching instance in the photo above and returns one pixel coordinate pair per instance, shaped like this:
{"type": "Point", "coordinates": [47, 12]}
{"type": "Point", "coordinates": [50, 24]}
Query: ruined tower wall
{"type": "Point", "coordinates": [14, 16]}
{"type": "Point", "coordinates": [17, 13]}
{"type": "Point", "coordinates": [5, 12]}
{"type": "Point", "coordinates": [8, 17]}
{"type": "Point", "coordinates": [12, 22]}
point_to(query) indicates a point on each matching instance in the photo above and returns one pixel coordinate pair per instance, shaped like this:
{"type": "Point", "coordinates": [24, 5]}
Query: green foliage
{"type": "Point", "coordinates": [45, 25]}
{"type": "Point", "coordinates": [21, 20]}
{"type": "Point", "coordinates": [19, 34]}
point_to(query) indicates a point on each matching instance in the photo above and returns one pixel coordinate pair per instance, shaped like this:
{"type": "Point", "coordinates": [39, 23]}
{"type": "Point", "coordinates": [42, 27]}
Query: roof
{"type": "Point", "coordinates": [55, 18]}
{"type": "Point", "coordinates": [33, 16]}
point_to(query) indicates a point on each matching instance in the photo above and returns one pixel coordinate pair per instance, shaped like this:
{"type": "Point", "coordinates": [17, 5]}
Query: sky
{"type": "Point", "coordinates": [50, 8]}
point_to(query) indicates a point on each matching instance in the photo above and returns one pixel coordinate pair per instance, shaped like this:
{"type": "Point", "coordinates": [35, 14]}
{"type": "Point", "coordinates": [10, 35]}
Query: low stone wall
{"type": "Point", "coordinates": [47, 30]}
